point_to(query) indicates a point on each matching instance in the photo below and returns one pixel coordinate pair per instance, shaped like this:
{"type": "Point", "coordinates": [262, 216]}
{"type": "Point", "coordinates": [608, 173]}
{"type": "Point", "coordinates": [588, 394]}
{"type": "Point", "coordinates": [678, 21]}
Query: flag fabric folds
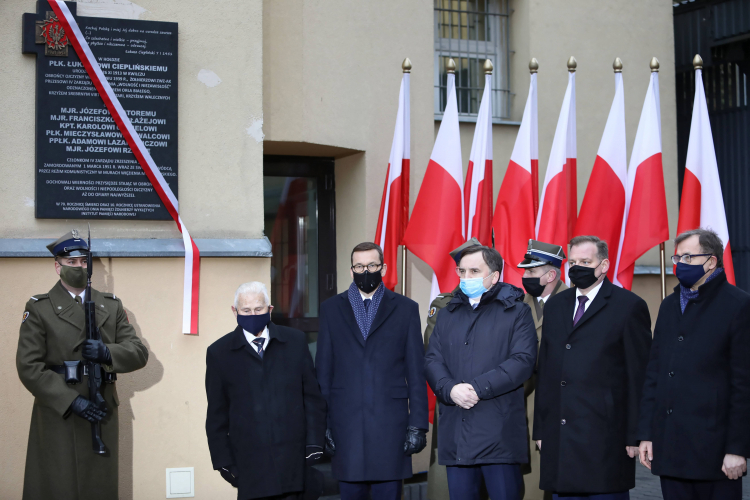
{"type": "Point", "coordinates": [702, 204]}
{"type": "Point", "coordinates": [394, 207]}
{"type": "Point", "coordinates": [645, 223]}
{"type": "Point", "coordinates": [478, 194]}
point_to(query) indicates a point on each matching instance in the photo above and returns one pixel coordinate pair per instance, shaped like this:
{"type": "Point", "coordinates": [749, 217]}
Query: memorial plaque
{"type": "Point", "coordinates": [84, 166]}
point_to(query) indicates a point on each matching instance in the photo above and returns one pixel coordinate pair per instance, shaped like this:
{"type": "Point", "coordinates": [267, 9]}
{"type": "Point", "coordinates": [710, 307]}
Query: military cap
{"type": "Point", "coordinates": [70, 245]}
{"type": "Point", "coordinates": [458, 252]}
{"type": "Point", "coordinates": [542, 254]}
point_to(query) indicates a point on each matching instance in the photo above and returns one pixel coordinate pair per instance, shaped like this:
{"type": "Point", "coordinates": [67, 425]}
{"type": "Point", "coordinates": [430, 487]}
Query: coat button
{"type": "Point", "coordinates": [466, 343]}
{"type": "Point", "coordinates": [562, 422]}
{"type": "Point", "coordinates": [680, 338]}
{"type": "Point", "coordinates": [567, 346]}
{"type": "Point", "coordinates": [563, 383]}
{"type": "Point", "coordinates": [463, 420]}
{"type": "Point", "coordinates": [671, 374]}
{"type": "Point", "coordinates": [669, 411]}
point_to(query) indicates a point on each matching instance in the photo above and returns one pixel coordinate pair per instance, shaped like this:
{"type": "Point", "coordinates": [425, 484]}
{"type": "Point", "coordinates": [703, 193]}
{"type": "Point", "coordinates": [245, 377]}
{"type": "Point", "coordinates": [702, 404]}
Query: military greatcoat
{"type": "Point", "coordinates": [60, 462]}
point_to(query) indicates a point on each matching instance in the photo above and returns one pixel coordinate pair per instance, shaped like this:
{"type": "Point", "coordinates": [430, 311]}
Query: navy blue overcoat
{"type": "Point", "coordinates": [374, 388]}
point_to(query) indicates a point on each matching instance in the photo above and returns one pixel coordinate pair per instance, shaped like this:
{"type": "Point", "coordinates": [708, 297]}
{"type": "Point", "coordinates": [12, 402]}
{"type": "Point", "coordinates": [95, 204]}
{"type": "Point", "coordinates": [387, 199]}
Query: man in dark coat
{"type": "Point", "coordinates": [592, 361]}
{"type": "Point", "coordinates": [483, 349]}
{"type": "Point", "coordinates": [695, 413]}
{"type": "Point", "coordinates": [266, 416]}
{"type": "Point", "coordinates": [370, 364]}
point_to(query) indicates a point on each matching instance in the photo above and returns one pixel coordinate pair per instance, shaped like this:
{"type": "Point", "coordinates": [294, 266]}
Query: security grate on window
{"type": "Point", "coordinates": [470, 31]}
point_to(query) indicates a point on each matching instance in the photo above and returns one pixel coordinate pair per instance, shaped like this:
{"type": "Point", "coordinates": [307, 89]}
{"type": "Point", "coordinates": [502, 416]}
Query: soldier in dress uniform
{"type": "Point", "coordinates": [60, 460]}
{"type": "Point", "coordinates": [541, 280]}
{"type": "Point", "coordinates": [437, 479]}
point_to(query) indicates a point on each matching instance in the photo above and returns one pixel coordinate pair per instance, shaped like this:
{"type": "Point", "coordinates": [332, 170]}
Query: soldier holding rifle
{"type": "Point", "coordinates": [73, 439]}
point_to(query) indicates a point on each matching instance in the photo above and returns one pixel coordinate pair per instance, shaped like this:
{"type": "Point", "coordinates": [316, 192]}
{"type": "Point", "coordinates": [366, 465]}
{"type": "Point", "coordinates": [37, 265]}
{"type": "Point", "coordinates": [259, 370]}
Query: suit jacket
{"type": "Point", "coordinates": [374, 389]}
{"type": "Point", "coordinates": [262, 413]}
{"type": "Point", "coordinates": [696, 399]}
{"type": "Point", "coordinates": [589, 385]}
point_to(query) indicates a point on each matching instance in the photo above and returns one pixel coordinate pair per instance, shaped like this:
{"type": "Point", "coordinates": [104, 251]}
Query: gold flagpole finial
{"type": "Point", "coordinates": [488, 67]}
{"type": "Point", "coordinates": [406, 65]}
{"type": "Point", "coordinates": [450, 66]}
{"type": "Point", "coordinates": [654, 65]}
{"type": "Point", "coordinates": [572, 64]}
{"type": "Point", "coordinates": [697, 62]}
{"type": "Point", "coordinates": [617, 65]}
{"type": "Point", "coordinates": [533, 65]}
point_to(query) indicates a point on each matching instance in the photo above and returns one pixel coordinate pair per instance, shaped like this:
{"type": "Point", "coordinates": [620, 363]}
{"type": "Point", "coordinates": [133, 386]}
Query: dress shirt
{"type": "Point", "coordinates": [591, 296]}
{"type": "Point", "coordinates": [474, 302]}
{"type": "Point", "coordinates": [263, 335]}
{"type": "Point", "coordinates": [82, 295]}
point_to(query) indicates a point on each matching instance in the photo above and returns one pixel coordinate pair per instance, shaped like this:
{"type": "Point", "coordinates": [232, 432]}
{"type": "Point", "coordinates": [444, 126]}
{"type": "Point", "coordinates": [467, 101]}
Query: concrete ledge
{"type": "Point", "coordinates": [651, 270]}
{"type": "Point", "coordinates": [261, 247]}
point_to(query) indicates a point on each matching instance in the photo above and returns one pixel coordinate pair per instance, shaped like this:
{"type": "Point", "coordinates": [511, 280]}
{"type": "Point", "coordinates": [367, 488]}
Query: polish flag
{"type": "Point", "coordinates": [702, 204]}
{"type": "Point", "coordinates": [645, 224]}
{"type": "Point", "coordinates": [478, 197]}
{"type": "Point", "coordinates": [603, 205]}
{"type": "Point", "coordinates": [514, 213]}
{"type": "Point", "coordinates": [559, 204]}
{"type": "Point", "coordinates": [394, 208]}
{"type": "Point", "coordinates": [436, 226]}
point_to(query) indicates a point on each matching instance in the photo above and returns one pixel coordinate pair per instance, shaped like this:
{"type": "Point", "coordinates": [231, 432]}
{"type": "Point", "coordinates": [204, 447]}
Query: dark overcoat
{"type": "Point", "coordinates": [60, 461]}
{"type": "Point", "coordinates": [696, 399]}
{"type": "Point", "coordinates": [262, 413]}
{"type": "Point", "coordinates": [375, 389]}
{"type": "Point", "coordinates": [589, 382]}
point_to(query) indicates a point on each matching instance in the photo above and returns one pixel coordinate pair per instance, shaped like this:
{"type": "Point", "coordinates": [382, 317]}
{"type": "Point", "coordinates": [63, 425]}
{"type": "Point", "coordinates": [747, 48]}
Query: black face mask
{"type": "Point", "coordinates": [533, 286]}
{"type": "Point", "coordinates": [367, 281]}
{"type": "Point", "coordinates": [583, 277]}
{"type": "Point", "coordinates": [254, 323]}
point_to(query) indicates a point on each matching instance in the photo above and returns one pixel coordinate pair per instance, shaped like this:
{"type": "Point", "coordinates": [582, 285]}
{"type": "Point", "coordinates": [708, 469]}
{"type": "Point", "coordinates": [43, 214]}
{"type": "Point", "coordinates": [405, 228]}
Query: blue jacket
{"type": "Point", "coordinates": [374, 389]}
{"type": "Point", "coordinates": [492, 347]}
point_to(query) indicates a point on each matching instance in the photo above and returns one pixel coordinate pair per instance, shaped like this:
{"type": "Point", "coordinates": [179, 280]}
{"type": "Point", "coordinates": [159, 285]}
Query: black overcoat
{"type": "Point", "coordinates": [696, 399]}
{"type": "Point", "coordinates": [374, 389]}
{"type": "Point", "coordinates": [589, 385]}
{"type": "Point", "coordinates": [492, 347]}
{"type": "Point", "coordinates": [262, 413]}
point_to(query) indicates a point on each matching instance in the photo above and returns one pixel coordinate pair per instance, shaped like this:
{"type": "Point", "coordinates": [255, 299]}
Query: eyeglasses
{"type": "Point", "coordinates": [687, 258]}
{"type": "Point", "coordinates": [462, 273]}
{"type": "Point", "coordinates": [359, 268]}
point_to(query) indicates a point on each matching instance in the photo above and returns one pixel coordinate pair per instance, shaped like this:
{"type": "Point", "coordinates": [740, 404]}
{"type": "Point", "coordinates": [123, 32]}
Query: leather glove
{"type": "Point", "coordinates": [97, 351]}
{"type": "Point", "coordinates": [416, 440]}
{"type": "Point", "coordinates": [85, 409]}
{"type": "Point", "coordinates": [231, 474]}
{"type": "Point", "coordinates": [313, 454]}
{"type": "Point", "coordinates": [330, 448]}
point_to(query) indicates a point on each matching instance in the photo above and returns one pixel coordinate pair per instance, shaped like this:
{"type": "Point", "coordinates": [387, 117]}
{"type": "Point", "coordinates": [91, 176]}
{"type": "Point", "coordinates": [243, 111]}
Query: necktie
{"type": "Point", "coordinates": [367, 305]}
{"type": "Point", "coordinates": [581, 308]}
{"type": "Point", "coordinates": [79, 300]}
{"type": "Point", "coordinates": [259, 344]}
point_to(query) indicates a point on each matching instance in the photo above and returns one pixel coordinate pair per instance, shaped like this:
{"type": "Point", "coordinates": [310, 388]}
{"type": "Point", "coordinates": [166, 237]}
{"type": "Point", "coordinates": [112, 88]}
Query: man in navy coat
{"type": "Point", "coordinates": [370, 368]}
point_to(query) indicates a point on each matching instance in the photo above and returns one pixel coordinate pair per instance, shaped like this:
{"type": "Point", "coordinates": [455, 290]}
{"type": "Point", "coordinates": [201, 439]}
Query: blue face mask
{"type": "Point", "coordinates": [688, 274]}
{"type": "Point", "coordinates": [254, 323]}
{"type": "Point", "coordinates": [473, 287]}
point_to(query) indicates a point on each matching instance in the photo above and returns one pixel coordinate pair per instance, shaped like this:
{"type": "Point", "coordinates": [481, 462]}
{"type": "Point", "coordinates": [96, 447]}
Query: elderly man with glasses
{"type": "Point", "coordinates": [695, 410]}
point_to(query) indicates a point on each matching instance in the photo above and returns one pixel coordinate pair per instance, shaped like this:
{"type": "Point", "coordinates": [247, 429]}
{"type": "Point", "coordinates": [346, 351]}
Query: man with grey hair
{"type": "Point", "coordinates": [266, 417]}
{"type": "Point", "coordinates": [592, 360]}
{"type": "Point", "coordinates": [696, 400]}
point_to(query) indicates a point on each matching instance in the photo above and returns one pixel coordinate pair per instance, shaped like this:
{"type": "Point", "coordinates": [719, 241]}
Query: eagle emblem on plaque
{"type": "Point", "coordinates": [52, 34]}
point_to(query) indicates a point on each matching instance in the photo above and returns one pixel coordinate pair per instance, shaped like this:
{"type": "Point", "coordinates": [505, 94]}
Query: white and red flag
{"type": "Point", "coordinates": [394, 207]}
{"type": "Point", "coordinates": [645, 223]}
{"type": "Point", "coordinates": [192, 256]}
{"type": "Point", "coordinates": [603, 205]}
{"type": "Point", "coordinates": [515, 215]}
{"type": "Point", "coordinates": [702, 204]}
{"type": "Point", "coordinates": [436, 226]}
{"type": "Point", "coordinates": [478, 193]}
{"type": "Point", "coordinates": [559, 203]}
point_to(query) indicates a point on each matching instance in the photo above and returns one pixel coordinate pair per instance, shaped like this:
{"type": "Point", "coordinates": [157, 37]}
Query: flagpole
{"type": "Point", "coordinates": [406, 67]}
{"type": "Point", "coordinates": [663, 270]}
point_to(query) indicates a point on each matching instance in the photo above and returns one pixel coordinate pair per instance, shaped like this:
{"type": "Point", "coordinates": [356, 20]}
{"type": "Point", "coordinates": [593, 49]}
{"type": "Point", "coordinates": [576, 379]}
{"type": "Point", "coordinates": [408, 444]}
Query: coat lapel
{"type": "Point", "coordinates": [600, 301]}
{"type": "Point", "coordinates": [348, 315]}
{"type": "Point", "coordinates": [65, 307]}
{"type": "Point", "coordinates": [386, 307]}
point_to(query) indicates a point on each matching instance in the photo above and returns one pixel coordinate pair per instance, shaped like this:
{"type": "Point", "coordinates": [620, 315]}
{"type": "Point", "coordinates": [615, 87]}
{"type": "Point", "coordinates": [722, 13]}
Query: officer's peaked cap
{"type": "Point", "coordinates": [542, 254]}
{"type": "Point", "coordinates": [70, 245]}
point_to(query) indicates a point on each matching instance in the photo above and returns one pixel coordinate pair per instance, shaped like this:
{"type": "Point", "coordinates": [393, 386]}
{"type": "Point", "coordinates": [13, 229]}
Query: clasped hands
{"type": "Point", "coordinates": [734, 466]}
{"type": "Point", "coordinates": [464, 396]}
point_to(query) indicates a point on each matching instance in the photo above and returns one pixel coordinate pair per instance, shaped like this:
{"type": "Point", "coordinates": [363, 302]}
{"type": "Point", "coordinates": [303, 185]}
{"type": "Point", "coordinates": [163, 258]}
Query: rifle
{"type": "Point", "coordinates": [95, 371]}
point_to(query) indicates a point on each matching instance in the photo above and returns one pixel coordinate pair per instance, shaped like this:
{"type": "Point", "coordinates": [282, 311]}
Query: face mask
{"type": "Point", "coordinates": [533, 286]}
{"type": "Point", "coordinates": [74, 277]}
{"type": "Point", "coordinates": [367, 281]}
{"type": "Point", "coordinates": [473, 287]}
{"type": "Point", "coordinates": [583, 277]}
{"type": "Point", "coordinates": [253, 323]}
{"type": "Point", "coordinates": [689, 275]}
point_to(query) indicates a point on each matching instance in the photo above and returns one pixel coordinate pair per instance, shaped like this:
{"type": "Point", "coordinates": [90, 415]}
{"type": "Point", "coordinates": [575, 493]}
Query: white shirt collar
{"type": "Point", "coordinates": [82, 294]}
{"type": "Point", "coordinates": [592, 294]}
{"type": "Point", "coordinates": [475, 301]}
{"type": "Point", "coordinates": [543, 299]}
{"type": "Point", "coordinates": [263, 335]}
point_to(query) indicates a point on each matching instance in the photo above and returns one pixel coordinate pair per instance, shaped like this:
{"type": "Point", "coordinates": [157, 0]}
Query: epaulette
{"type": "Point", "coordinates": [39, 297]}
{"type": "Point", "coordinates": [110, 296]}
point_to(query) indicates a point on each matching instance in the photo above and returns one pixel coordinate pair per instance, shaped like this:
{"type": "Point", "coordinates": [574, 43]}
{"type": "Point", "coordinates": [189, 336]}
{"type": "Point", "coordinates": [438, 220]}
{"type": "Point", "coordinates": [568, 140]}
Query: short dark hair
{"type": "Point", "coordinates": [366, 246]}
{"type": "Point", "coordinates": [491, 257]}
{"type": "Point", "coordinates": [708, 240]}
{"type": "Point", "coordinates": [602, 250]}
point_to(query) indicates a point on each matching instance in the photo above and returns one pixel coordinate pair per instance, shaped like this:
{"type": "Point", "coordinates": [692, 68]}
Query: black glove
{"type": "Point", "coordinates": [416, 440]}
{"type": "Point", "coordinates": [313, 454]}
{"type": "Point", "coordinates": [85, 409]}
{"type": "Point", "coordinates": [230, 474]}
{"type": "Point", "coordinates": [330, 448]}
{"type": "Point", "coordinates": [97, 351]}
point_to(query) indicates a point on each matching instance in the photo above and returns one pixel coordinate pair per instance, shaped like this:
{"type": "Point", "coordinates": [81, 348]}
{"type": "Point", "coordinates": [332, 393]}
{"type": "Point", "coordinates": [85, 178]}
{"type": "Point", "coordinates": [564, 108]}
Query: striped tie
{"type": "Point", "coordinates": [259, 343]}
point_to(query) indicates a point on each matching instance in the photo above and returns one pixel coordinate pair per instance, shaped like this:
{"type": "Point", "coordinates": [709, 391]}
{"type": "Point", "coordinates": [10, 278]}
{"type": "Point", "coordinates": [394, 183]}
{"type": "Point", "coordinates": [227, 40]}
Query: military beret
{"type": "Point", "coordinates": [458, 252]}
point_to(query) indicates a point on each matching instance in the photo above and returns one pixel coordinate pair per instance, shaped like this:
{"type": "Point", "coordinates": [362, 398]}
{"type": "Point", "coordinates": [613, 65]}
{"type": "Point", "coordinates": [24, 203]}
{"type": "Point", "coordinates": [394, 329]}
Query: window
{"type": "Point", "coordinates": [470, 31]}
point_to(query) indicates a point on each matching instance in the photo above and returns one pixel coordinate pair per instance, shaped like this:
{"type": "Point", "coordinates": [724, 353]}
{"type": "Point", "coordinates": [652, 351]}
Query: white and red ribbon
{"type": "Point", "coordinates": [192, 255]}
